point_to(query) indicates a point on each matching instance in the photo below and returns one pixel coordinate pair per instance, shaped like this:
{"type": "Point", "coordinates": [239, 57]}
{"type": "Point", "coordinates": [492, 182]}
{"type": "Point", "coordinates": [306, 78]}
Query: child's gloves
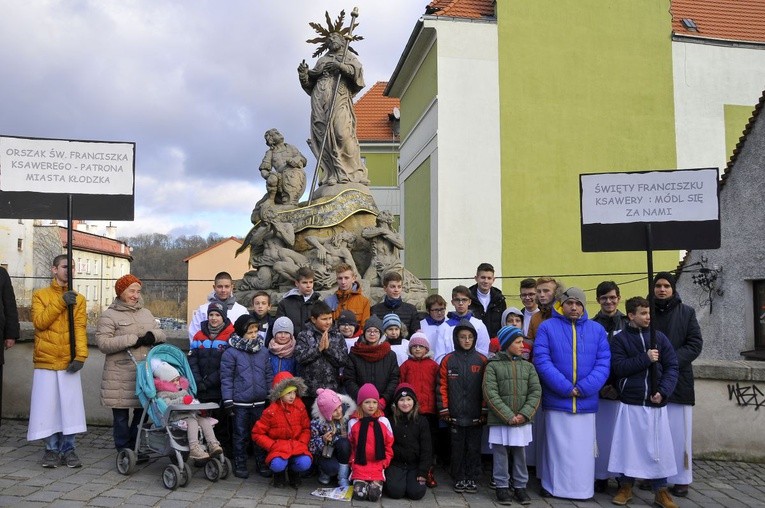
{"type": "Point", "coordinates": [228, 405]}
{"type": "Point", "coordinates": [444, 415]}
{"type": "Point", "coordinates": [188, 399]}
{"type": "Point", "coordinates": [381, 403]}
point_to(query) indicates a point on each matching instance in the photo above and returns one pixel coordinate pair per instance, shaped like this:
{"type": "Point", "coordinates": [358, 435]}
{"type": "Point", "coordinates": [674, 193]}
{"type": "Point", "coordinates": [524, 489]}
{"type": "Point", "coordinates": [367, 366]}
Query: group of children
{"type": "Point", "coordinates": [382, 400]}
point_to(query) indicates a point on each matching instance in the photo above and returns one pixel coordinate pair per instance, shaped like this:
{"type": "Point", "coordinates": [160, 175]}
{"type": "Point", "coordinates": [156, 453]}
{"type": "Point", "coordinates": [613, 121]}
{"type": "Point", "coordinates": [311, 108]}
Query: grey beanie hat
{"type": "Point", "coordinates": [574, 293]}
{"type": "Point", "coordinates": [283, 324]}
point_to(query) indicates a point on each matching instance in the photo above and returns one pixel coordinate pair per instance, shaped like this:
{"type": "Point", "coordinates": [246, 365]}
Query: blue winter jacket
{"type": "Point", "coordinates": [571, 354]}
{"type": "Point", "coordinates": [281, 364]}
{"type": "Point", "coordinates": [245, 372]}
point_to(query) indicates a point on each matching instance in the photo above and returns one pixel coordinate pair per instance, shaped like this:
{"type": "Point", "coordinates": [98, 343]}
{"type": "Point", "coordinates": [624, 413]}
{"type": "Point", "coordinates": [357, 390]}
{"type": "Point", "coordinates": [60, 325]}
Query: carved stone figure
{"type": "Point", "coordinates": [330, 252]}
{"type": "Point", "coordinates": [270, 252]}
{"type": "Point", "coordinates": [341, 160]}
{"type": "Point", "coordinates": [386, 244]}
{"type": "Point", "coordinates": [283, 169]}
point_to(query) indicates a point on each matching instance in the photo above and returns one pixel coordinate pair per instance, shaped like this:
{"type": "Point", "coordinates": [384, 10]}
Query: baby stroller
{"type": "Point", "coordinates": [158, 437]}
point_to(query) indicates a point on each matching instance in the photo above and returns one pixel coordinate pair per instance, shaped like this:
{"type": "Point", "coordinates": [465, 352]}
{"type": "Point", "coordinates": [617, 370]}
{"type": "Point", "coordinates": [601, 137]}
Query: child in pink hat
{"type": "Point", "coordinates": [330, 444]}
{"type": "Point", "coordinates": [371, 445]}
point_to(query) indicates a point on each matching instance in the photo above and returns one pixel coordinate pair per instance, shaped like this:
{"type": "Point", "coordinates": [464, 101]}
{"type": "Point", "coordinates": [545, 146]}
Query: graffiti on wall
{"type": "Point", "coordinates": [748, 395]}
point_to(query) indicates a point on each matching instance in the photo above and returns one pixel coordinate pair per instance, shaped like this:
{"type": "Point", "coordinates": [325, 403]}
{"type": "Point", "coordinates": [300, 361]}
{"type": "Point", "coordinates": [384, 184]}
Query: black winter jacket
{"type": "Point", "coordinates": [412, 447]}
{"type": "Point", "coordinates": [612, 324]}
{"type": "Point", "coordinates": [492, 317]}
{"type": "Point", "coordinates": [382, 373]}
{"type": "Point", "coordinates": [459, 389]}
{"type": "Point", "coordinates": [9, 315]}
{"type": "Point", "coordinates": [678, 322]}
{"type": "Point", "coordinates": [320, 369]}
{"type": "Point", "coordinates": [631, 367]}
{"type": "Point", "coordinates": [405, 311]}
{"type": "Point", "coordinates": [297, 308]}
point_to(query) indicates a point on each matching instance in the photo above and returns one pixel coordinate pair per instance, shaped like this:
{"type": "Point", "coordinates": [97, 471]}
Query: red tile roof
{"type": "Point", "coordinates": [729, 20]}
{"type": "Point", "coordinates": [372, 110]}
{"type": "Point", "coordinates": [471, 9]}
{"type": "Point", "coordinates": [95, 243]}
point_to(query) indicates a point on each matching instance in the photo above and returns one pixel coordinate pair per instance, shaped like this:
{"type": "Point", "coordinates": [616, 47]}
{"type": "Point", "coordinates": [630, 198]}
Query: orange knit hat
{"type": "Point", "coordinates": [123, 282]}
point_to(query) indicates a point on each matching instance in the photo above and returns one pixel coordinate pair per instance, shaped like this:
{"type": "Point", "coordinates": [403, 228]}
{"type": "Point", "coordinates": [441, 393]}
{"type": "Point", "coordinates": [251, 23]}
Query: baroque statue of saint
{"type": "Point", "coordinates": [332, 83]}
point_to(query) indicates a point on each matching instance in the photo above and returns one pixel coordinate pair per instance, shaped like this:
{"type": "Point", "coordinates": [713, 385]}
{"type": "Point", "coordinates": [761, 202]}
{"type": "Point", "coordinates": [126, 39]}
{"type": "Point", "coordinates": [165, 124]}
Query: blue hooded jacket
{"type": "Point", "coordinates": [571, 354]}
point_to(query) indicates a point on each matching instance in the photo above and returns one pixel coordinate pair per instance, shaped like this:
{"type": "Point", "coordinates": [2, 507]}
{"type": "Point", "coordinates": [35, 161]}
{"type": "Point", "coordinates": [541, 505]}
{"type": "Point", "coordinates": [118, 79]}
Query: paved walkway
{"type": "Point", "coordinates": [23, 482]}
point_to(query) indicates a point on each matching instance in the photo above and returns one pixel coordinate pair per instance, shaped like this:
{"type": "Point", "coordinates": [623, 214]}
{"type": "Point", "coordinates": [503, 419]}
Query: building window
{"type": "Point", "coordinates": [20, 244]}
{"type": "Point", "coordinates": [759, 314]}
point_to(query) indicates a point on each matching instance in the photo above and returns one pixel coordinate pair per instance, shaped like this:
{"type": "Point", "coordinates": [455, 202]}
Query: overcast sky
{"type": "Point", "coordinates": [194, 84]}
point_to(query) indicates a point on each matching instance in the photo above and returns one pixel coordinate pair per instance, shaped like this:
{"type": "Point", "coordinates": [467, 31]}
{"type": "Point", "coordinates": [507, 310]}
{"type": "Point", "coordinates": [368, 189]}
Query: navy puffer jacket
{"type": "Point", "coordinates": [631, 367]}
{"type": "Point", "coordinates": [245, 372]}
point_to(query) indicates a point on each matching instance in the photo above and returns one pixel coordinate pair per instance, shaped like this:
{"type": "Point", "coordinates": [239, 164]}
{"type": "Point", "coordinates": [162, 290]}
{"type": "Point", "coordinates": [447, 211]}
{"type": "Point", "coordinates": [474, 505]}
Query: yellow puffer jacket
{"type": "Point", "coordinates": [51, 321]}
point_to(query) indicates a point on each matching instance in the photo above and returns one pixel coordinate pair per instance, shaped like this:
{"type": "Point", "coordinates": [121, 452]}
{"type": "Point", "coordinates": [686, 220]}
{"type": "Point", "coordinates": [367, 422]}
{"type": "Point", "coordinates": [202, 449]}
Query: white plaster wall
{"type": "Point", "coordinates": [468, 183]}
{"type": "Point", "coordinates": [707, 77]}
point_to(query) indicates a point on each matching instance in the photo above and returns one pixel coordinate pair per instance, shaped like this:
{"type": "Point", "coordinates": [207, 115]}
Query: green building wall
{"type": "Point", "coordinates": [736, 118]}
{"type": "Point", "coordinates": [585, 87]}
{"type": "Point", "coordinates": [417, 208]}
{"type": "Point", "coordinates": [382, 167]}
{"type": "Point", "coordinates": [421, 92]}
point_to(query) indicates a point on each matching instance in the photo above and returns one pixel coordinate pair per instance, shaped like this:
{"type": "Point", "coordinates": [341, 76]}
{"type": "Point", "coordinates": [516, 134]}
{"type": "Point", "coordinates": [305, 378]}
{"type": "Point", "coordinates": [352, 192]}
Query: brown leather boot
{"type": "Point", "coordinates": [623, 495]}
{"type": "Point", "coordinates": [663, 499]}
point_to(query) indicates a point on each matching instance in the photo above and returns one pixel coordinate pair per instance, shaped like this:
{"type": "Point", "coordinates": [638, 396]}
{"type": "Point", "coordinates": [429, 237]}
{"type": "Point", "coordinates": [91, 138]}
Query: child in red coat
{"type": "Point", "coordinates": [371, 445]}
{"type": "Point", "coordinates": [284, 430]}
{"type": "Point", "coordinates": [421, 372]}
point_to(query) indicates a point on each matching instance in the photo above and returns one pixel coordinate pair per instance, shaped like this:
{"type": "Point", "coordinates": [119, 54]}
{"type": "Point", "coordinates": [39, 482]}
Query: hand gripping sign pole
{"type": "Point", "coordinates": [339, 78]}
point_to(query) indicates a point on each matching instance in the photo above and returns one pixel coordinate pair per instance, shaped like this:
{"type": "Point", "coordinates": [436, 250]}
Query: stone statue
{"type": "Point", "coordinates": [283, 169]}
{"type": "Point", "coordinates": [343, 224]}
{"type": "Point", "coordinates": [330, 252]}
{"type": "Point", "coordinates": [386, 244]}
{"type": "Point", "coordinates": [271, 254]}
{"type": "Point", "coordinates": [341, 159]}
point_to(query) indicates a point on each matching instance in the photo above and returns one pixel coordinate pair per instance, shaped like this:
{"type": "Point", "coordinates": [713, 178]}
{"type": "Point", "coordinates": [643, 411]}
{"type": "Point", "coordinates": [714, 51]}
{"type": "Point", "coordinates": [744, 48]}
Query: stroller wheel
{"type": "Point", "coordinates": [126, 461]}
{"type": "Point", "coordinates": [170, 477]}
{"type": "Point", "coordinates": [185, 475]}
{"type": "Point", "coordinates": [213, 470]}
{"type": "Point", "coordinates": [226, 467]}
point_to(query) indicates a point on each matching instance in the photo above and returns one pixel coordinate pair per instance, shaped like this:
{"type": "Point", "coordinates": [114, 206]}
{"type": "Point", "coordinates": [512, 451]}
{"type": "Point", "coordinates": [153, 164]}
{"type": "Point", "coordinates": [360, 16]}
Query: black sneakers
{"type": "Point", "coordinates": [522, 497]}
{"type": "Point", "coordinates": [504, 496]}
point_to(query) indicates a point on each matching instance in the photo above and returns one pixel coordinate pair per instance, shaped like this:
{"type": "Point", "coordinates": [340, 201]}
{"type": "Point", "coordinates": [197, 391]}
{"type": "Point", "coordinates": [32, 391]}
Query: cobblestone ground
{"type": "Point", "coordinates": [23, 482]}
